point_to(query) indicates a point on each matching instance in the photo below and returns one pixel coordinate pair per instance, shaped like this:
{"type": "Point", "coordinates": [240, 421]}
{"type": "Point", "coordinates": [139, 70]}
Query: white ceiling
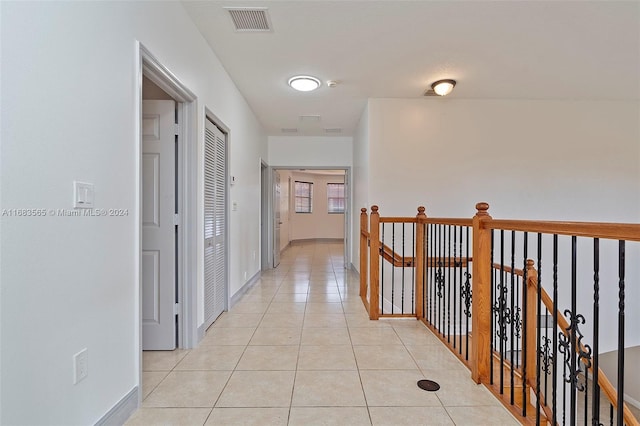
{"type": "Point", "coordinates": [566, 50]}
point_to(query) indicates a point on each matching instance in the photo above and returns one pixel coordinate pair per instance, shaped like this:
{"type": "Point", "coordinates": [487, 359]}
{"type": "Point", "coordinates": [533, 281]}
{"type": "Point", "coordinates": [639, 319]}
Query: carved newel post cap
{"type": "Point", "coordinates": [482, 208]}
{"type": "Point", "coordinates": [374, 209]}
{"type": "Point", "coordinates": [363, 210]}
{"type": "Point", "coordinates": [530, 263]}
{"type": "Point", "coordinates": [421, 210]}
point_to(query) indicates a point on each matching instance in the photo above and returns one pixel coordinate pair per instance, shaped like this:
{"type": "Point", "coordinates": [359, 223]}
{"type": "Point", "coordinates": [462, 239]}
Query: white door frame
{"type": "Point", "coordinates": [227, 134]}
{"type": "Point", "coordinates": [347, 213]}
{"type": "Point", "coordinates": [265, 224]}
{"type": "Point", "coordinates": [149, 66]}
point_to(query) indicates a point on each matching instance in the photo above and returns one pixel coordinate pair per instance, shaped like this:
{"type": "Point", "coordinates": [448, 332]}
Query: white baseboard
{"type": "Point", "coordinates": [121, 412]}
{"type": "Point", "coordinates": [631, 401]}
{"type": "Point", "coordinates": [246, 287]}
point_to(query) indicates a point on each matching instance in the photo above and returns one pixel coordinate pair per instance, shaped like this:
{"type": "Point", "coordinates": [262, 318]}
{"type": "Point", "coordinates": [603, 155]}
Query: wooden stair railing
{"type": "Point", "coordinates": [604, 383]}
{"type": "Point", "coordinates": [372, 249]}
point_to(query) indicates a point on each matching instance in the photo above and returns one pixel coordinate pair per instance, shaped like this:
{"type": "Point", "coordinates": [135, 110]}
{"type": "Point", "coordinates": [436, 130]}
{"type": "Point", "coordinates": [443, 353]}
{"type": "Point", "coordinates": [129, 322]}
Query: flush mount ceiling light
{"type": "Point", "coordinates": [304, 83]}
{"type": "Point", "coordinates": [443, 87]}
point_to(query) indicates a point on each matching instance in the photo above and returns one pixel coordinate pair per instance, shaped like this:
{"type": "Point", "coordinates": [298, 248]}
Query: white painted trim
{"type": "Point", "coordinates": [264, 216]}
{"type": "Point", "coordinates": [121, 412]}
{"type": "Point", "coordinates": [146, 64]}
{"type": "Point", "coordinates": [631, 401]}
{"type": "Point", "coordinates": [246, 287]}
{"type": "Point", "coordinates": [208, 114]}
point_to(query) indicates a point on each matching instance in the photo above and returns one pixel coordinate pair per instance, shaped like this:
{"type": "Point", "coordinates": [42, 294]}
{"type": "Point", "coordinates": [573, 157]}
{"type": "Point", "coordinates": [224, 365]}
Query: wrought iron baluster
{"type": "Point", "coordinates": [413, 269]}
{"type": "Point", "coordinates": [554, 376]}
{"type": "Point", "coordinates": [586, 394]}
{"type": "Point", "coordinates": [455, 283]}
{"type": "Point", "coordinates": [443, 252]}
{"type": "Point", "coordinates": [573, 377]}
{"type": "Point", "coordinates": [468, 298]}
{"type": "Point", "coordinates": [595, 405]}
{"type": "Point", "coordinates": [525, 330]}
{"type": "Point", "coordinates": [448, 298]}
{"type": "Point", "coordinates": [501, 314]}
{"type": "Point", "coordinates": [382, 225]}
{"type": "Point", "coordinates": [403, 268]}
{"type": "Point", "coordinates": [611, 414]}
{"type": "Point", "coordinates": [512, 319]}
{"type": "Point", "coordinates": [393, 266]}
{"type": "Point", "coordinates": [621, 295]}
{"type": "Point", "coordinates": [538, 329]}
{"type": "Point", "coordinates": [492, 340]}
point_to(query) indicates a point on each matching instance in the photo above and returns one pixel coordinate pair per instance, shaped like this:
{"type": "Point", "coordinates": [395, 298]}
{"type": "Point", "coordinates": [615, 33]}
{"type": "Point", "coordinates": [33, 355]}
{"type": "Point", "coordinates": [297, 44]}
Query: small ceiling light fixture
{"type": "Point", "coordinates": [443, 87]}
{"type": "Point", "coordinates": [304, 83]}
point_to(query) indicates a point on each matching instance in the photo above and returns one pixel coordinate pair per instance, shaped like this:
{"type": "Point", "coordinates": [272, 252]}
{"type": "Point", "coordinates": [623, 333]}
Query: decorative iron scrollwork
{"type": "Point", "coordinates": [546, 355]}
{"type": "Point", "coordinates": [575, 378]}
{"type": "Point", "coordinates": [440, 280]}
{"type": "Point", "coordinates": [467, 293]}
{"type": "Point", "coordinates": [502, 311]}
{"type": "Point", "coordinates": [517, 321]}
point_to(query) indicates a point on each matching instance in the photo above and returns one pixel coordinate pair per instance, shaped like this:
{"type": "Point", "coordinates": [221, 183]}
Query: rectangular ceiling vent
{"type": "Point", "coordinates": [333, 130]}
{"type": "Point", "coordinates": [250, 19]}
{"type": "Point", "coordinates": [289, 130]}
{"type": "Point", "coordinates": [309, 118]}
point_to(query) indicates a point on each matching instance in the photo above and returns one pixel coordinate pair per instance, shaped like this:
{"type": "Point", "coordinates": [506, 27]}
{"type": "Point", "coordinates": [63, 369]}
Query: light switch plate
{"type": "Point", "coordinates": [83, 195]}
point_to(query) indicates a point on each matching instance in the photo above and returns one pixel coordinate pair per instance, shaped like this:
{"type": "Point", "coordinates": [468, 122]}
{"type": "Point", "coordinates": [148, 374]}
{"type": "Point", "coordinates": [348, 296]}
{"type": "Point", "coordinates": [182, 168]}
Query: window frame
{"type": "Point", "coordinates": [343, 198]}
{"type": "Point", "coordinates": [296, 197]}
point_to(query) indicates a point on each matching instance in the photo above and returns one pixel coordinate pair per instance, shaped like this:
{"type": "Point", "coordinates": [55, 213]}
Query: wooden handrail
{"type": "Point", "coordinates": [394, 258]}
{"type": "Point", "coordinates": [612, 231]}
{"type": "Point", "coordinates": [390, 219]}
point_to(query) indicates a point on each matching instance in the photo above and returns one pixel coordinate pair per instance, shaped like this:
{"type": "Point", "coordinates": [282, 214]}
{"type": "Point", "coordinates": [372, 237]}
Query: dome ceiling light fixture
{"type": "Point", "coordinates": [443, 87]}
{"type": "Point", "coordinates": [304, 83]}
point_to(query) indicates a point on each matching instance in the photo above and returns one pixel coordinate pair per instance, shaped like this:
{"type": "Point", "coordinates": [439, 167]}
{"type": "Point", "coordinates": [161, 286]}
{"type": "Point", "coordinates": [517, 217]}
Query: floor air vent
{"type": "Point", "coordinates": [250, 19]}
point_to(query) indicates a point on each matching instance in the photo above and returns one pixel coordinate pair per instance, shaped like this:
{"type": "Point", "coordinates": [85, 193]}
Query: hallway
{"type": "Point", "coordinates": [299, 349]}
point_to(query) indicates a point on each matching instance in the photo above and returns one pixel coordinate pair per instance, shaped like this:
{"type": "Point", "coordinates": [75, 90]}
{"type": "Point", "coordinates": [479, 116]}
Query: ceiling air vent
{"type": "Point", "coordinates": [289, 130]}
{"type": "Point", "coordinates": [250, 19]}
{"type": "Point", "coordinates": [309, 118]}
{"type": "Point", "coordinates": [333, 130]}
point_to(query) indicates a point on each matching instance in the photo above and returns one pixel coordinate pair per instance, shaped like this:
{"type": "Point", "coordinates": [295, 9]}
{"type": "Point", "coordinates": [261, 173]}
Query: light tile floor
{"type": "Point", "coordinates": [299, 349]}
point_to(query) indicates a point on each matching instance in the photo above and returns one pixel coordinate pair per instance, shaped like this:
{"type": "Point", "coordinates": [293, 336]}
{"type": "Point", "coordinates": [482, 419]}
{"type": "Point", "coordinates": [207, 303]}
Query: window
{"type": "Point", "coordinates": [304, 195]}
{"type": "Point", "coordinates": [335, 197]}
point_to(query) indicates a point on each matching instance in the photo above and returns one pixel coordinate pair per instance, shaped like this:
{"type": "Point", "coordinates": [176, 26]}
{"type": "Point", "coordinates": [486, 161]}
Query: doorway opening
{"type": "Point", "coordinates": [309, 204]}
{"type": "Point", "coordinates": [166, 181]}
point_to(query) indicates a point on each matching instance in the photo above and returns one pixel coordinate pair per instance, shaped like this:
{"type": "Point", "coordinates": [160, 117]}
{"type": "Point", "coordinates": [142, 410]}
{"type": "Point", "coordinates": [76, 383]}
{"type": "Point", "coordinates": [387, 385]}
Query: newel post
{"type": "Point", "coordinates": [419, 261]}
{"type": "Point", "coordinates": [481, 290]}
{"type": "Point", "coordinates": [529, 344]}
{"type": "Point", "coordinates": [364, 265]}
{"type": "Point", "coordinates": [374, 264]}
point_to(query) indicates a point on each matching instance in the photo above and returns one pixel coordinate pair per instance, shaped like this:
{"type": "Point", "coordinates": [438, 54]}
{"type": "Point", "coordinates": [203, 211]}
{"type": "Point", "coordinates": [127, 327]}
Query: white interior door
{"type": "Point", "coordinates": [215, 222]}
{"type": "Point", "coordinates": [277, 221]}
{"type": "Point", "coordinates": [158, 228]}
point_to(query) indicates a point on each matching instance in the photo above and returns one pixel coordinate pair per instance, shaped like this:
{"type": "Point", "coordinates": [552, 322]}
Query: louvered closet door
{"type": "Point", "coordinates": [215, 223]}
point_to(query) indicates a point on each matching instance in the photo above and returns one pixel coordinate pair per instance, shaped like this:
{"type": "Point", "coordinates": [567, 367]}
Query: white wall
{"type": "Point", "coordinates": [559, 160]}
{"type": "Point", "coordinates": [548, 160]}
{"type": "Point", "coordinates": [360, 185]}
{"type": "Point", "coordinates": [319, 223]}
{"type": "Point", "coordinates": [310, 151]}
{"type": "Point", "coordinates": [609, 364]}
{"type": "Point", "coordinates": [69, 113]}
